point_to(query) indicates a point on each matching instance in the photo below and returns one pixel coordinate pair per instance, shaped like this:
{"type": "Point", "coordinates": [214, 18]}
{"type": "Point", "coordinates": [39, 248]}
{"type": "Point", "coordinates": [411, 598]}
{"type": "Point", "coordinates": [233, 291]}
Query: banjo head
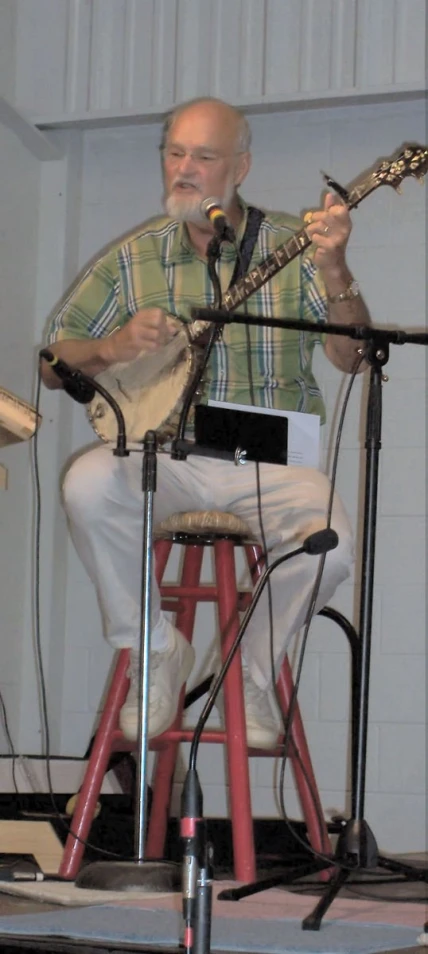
{"type": "Point", "coordinates": [149, 391]}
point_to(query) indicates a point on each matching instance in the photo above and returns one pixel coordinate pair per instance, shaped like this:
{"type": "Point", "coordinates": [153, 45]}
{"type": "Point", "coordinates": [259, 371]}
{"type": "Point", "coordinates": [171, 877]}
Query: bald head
{"type": "Point", "coordinates": [217, 112]}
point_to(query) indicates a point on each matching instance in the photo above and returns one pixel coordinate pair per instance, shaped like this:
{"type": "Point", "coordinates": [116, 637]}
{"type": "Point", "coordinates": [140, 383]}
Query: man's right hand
{"type": "Point", "coordinates": [147, 330]}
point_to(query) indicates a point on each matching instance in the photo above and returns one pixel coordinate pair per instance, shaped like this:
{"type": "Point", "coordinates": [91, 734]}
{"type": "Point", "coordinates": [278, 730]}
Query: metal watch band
{"type": "Point", "coordinates": [352, 291]}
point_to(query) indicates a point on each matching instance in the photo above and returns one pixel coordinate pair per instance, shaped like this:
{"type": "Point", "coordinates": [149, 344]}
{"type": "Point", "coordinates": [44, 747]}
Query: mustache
{"type": "Point", "coordinates": [180, 180]}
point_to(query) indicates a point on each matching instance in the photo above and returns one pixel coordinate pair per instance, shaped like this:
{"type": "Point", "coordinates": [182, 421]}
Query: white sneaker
{"type": "Point", "coordinates": [169, 669]}
{"type": "Point", "coordinates": [262, 726]}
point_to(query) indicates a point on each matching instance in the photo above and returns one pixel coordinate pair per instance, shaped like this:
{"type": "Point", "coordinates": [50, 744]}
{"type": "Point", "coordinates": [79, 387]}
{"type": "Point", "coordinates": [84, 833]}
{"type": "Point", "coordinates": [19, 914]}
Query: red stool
{"type": "Point", "coordinates": [224, 532]}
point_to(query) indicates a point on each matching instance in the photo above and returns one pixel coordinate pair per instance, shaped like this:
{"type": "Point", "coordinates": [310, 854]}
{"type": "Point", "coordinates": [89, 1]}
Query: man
{"type": "Point", "coordinates": [143, 288]}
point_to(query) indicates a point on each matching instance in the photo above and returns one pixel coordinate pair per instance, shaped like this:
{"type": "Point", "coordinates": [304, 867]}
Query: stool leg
{"type": "Point", "coordinates": [299, 752]}
{"type": "Point", "coordinates": [95, 771]}
{"type": "Point", "coordinates": [166, 758]}
{"type": "Point", "coordinates": [162, 551]}
{"type": "Point", "coordinates": [236, 734]}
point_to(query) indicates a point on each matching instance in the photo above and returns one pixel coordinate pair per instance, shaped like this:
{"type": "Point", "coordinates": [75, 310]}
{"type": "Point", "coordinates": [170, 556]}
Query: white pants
{"type": "Point", "coordinates": [104, 502]}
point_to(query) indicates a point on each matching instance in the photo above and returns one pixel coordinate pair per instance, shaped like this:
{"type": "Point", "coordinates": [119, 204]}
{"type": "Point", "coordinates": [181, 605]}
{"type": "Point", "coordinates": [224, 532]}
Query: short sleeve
{"type": "Point", "coordinates": [90, 308]}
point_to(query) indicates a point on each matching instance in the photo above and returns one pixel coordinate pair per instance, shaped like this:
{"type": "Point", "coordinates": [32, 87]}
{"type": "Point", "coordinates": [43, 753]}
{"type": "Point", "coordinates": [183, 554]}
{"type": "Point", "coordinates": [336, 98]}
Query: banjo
{"type": "Point", "coordinates": [151, 389]}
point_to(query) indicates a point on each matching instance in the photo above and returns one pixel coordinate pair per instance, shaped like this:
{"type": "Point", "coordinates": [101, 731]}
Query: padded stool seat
{"type": "Point", "coordinates": [218, 522]}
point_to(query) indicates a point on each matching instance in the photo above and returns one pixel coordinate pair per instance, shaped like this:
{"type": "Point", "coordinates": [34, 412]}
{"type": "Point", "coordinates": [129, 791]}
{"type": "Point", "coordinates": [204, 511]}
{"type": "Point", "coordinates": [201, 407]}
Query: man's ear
{"type": "Point", "coordinates": [242, 167]}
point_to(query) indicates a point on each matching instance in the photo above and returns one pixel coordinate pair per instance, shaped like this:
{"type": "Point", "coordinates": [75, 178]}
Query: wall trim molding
{"type": "Point", "coordinates": [32, 138]}
{"type": "Point", "coordinates": [111, 118]}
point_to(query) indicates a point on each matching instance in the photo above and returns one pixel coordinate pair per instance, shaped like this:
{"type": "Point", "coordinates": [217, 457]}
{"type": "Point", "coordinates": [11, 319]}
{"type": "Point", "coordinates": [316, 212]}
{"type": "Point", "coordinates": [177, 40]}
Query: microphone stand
{"type": "Point", "coordinates": [153, 876]}
{"type": "Point", "coordinates": [356, 848]}
{"type": "Point", "coordinates": [198, 853]}
{"type": "Point", "coordinates": [180, 446]}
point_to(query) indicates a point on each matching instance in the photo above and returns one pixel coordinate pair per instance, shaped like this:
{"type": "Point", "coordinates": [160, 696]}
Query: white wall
{"type": "Point", "coordinates": [120, 185]}
{"type": "Point", "coordinates": [19, 203]}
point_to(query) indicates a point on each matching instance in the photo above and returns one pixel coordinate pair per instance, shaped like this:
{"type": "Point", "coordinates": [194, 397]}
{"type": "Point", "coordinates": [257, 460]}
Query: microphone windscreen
{"type": "Point", "coordinates": [321, 541]}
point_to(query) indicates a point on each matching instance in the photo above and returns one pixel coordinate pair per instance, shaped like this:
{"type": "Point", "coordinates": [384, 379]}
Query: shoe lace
{"type": "Point", "coordinates": [134, 669]}
{"type": "Point", "coordinates": [255, 697]}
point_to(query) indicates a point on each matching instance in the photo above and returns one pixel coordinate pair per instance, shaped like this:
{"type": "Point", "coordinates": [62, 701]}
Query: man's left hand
{"type": "Point", "coordinates": [329, 229]}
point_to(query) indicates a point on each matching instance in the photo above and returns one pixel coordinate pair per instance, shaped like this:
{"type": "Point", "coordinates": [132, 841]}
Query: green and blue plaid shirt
{"type": "Point", "coordinates": [156, 266]}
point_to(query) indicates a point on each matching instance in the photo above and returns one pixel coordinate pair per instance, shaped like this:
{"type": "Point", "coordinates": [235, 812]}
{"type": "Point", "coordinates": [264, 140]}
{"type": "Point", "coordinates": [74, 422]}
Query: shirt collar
{"type": "Point", "coordinates": [181, 246]}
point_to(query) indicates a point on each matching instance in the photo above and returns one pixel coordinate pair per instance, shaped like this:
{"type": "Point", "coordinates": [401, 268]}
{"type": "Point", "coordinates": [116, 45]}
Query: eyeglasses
{"type": "Point", "coordinates": [200, 156]}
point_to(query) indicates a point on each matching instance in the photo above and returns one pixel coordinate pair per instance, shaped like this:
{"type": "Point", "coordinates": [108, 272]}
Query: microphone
{"type": "Point", "coordinates": [82, 389]}
{"type": "Point", "coordinates": [321, 541]}
{"type": "Point", "coordinates": [213, 211]}
{"type": "Point", "coordinates": [76, 384]}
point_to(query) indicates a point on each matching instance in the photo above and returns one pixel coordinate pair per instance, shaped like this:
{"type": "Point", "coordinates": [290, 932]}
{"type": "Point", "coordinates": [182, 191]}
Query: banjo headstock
{"type": "Point", "coordinates": [411, 161]}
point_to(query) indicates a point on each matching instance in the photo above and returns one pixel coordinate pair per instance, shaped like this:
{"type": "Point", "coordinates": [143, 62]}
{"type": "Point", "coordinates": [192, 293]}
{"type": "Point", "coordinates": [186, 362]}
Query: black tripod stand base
{"type": "Point", "coordinates": [313, 921]}
{"type": "Point", "coordinates": [288, 876]}
{"type": "Point", "coordinates": [162, 877]}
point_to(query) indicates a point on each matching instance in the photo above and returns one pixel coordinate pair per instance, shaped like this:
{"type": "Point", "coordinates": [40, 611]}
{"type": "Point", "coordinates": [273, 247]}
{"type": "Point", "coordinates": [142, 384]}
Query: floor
{"type": "Point", "coordinates": [358, 888]}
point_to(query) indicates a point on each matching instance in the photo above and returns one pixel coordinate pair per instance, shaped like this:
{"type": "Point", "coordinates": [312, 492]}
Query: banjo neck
{"type": "Point", "coordinates": [411, 161]}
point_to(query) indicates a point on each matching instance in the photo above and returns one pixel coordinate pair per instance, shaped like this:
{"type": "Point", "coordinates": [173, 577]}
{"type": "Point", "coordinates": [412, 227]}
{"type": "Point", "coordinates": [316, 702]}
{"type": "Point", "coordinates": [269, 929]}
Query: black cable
{"type": "Point", "coordinates": [288, 719]}
{"type": "Point", "coordinates": [213, 254]}
{"type": "Point", "coordinates": [286, 723]}
{"type": "Point", "coordinates": [309, 617]}
{"type": "Point", "coordinates": [13, 753]}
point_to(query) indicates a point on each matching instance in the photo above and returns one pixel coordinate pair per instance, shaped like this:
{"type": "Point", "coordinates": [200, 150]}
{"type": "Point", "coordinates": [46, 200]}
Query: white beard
{"type": "Point", "coordinates": [185, 208]}
{"type": "Point", "coordinates": [188, 208]}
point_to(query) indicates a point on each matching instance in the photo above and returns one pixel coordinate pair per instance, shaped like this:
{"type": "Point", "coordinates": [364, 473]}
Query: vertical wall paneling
{"type": "Point", "coordinates": [410, 40]}
{"type": "Point", "coordinates": [252, 49]}
{"type": "Point", "coordinates": [8, 14]}
{"type": "Point", "coordinates": [82, 57]}
{"type": "Point", "coordinates": [164, 47]}
{"type": "Point", "coordinates": [283, 46]}
{"type": "Point", "coordinates": [41, 41]}
{"type": "Point", "coordinates": [77, 55]}
{"type": "Point", "coordinates": [343, 42]}
{"type": "Point", "coordinates": [139, 54]}
{"type": "Point", "coordinates": [375, 43]}
{"type": "Point", "coordinates": [107, 54]}
{"type": "Point", "coordinates": [318, 16]}
{"type": "Point", "coordinates": [226, 49]}
{"type": "Point", "coordinates": [194, 48]}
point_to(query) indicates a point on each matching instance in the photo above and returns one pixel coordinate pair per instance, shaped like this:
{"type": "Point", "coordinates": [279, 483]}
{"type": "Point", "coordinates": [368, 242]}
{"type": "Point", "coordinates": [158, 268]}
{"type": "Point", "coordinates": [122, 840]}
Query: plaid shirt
{"type": "Point", "coordinates": [156, 266]}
